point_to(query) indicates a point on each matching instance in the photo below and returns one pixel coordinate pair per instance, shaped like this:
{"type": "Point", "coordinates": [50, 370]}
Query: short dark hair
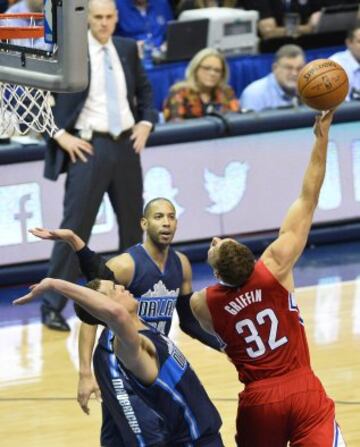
{"type": "Point", "coordinates": [148, 206]}
{"type": "Point", "coordinates": [94, 284]}
{"type": "Point", "coordinates": [234, 263]}
{"type": "Point", "coordinates": [81, 313]}
{"type": "Point", "coordinates": [351, 32]}
{"type": "Point", "coordinates": [289, 51]}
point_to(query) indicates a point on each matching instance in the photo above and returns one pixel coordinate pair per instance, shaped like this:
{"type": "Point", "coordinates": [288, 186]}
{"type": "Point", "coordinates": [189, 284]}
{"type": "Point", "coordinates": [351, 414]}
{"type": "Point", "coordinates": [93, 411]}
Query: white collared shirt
{"type": "Point", "coordinates": [351, 66]}
{"type": "Point", "coordinates": [94, 113]}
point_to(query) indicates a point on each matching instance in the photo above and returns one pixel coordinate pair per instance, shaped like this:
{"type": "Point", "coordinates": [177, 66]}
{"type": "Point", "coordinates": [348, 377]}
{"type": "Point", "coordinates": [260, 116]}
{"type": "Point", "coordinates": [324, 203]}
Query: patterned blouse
{"type": "Point", "coordinates": [185, 103]}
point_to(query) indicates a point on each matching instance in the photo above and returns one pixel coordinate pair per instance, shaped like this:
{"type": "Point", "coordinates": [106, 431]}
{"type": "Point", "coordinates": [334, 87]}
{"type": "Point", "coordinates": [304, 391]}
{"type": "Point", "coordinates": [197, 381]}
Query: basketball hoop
{"type": "Point", "coordinates": [31, 31]}
{"type": "Point", "coordinates": [23, 108]}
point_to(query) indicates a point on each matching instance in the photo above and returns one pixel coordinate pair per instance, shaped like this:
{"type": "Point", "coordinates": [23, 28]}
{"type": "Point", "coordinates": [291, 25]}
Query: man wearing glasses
{"type": "Point", "coordinates": [277, 89]}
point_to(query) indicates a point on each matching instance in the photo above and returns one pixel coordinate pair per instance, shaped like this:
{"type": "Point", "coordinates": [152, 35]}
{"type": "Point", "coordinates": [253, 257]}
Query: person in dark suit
{"type": "Point", "coordinates": [102, 132]}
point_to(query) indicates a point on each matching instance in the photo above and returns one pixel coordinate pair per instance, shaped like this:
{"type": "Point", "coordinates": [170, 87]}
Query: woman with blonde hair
{"type": "Point", "coordinates": [205, 89]}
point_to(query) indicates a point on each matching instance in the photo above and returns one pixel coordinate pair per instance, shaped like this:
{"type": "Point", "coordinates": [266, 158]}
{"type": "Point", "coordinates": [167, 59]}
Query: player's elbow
{"type": "Point", "coordinates": [310, 199]}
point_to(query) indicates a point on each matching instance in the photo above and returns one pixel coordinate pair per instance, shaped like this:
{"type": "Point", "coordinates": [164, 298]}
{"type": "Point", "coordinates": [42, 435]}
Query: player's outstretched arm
{"type": "Point", "coordinates": [92, 265]}
{"type": "Point", "coordinates": [282, 254]}
{"type": "Point", "coordinates": [132, 349]}
{"type": "Point", "coordinates": [66, 235]}
{"type": "Point", "coordinates": [119, 268]}
{"type": "Point", "coordinates": [94, 302]}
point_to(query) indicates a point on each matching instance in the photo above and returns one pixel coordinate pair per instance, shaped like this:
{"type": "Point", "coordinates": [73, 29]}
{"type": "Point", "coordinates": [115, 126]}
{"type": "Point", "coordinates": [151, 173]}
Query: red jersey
{"type": "Point", "coordinates": [260, 325]}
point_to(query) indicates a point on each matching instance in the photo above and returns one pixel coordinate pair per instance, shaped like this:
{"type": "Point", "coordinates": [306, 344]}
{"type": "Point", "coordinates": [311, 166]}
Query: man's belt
{"type": "Point", "coordinates": [89, 134]}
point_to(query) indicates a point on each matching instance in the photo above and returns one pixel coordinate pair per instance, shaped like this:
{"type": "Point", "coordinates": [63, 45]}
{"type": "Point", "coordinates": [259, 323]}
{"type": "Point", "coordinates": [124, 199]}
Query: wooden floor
{"type": "Point", "coordinates": [38, 374]}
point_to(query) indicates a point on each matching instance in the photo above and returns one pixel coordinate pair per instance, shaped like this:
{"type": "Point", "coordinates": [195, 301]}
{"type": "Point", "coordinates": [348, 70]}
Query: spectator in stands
{"type": "Point", "coordinates": [277, 17]}
{"type": "Point", "coordinates": [144, 20]}
{"type": "Point", "coordinates": [279, 88]}
{"type": "Point", "coordinates": [184, 5]}
{"type": "Point", "coordinates": [204, 91]}
{"type": "Point", "coordinates": [350, 61]}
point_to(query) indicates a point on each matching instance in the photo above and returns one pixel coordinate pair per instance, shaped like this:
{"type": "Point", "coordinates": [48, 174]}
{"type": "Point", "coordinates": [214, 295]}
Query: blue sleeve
{"type": "Point", "coordinates": [189, 324]}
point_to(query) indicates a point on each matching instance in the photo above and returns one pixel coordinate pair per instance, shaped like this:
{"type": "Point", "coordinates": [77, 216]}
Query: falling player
{"type": "Point", "coordinates": [160, 278]}
{"type": "Point", "coordinates": [152, 363]}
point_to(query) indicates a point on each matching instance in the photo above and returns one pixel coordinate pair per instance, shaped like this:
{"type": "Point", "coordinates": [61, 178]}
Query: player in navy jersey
{"type": "Point", "coordinates": [151, 362]}
{"type": "Point", "coordinates": [253, 310]}
{"type": "Point", "coordinates": [160, 278]}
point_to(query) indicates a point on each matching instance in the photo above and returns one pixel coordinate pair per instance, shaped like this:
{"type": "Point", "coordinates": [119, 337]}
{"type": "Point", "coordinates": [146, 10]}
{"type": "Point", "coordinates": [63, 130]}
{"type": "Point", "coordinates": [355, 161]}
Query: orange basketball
{"type": "Point", "coordinates": [323, 84]}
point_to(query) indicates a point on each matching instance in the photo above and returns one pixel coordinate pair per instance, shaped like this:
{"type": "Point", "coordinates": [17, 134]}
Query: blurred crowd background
{"type": "Point", "coordinates": [285, 28]}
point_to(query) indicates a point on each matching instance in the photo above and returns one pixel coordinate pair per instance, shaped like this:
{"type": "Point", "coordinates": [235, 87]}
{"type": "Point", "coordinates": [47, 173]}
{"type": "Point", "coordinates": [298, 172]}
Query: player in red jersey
{"type": "Point", "coordinates": [253, 310]}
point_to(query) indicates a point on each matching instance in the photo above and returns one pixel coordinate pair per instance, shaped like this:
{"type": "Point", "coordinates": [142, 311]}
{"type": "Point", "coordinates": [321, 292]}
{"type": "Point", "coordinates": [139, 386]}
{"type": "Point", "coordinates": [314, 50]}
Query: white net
{"type": "Point", "coordinates": [25, 108]}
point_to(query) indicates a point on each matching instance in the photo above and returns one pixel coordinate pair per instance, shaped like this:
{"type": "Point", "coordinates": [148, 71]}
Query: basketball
{"type": "Point", "coordinates": [323, 84]}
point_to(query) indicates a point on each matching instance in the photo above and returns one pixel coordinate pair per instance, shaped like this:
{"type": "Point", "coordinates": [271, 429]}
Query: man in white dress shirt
{"type": "Point", "coordinates": [350, 61]}
{"type": "Point", "coordinates": [102, 132]}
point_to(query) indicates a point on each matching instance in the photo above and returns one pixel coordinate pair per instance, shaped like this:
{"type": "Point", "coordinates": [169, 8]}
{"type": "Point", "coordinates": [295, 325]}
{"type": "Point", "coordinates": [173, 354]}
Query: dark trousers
{"type": "Point", "coordinates": [114, 168]}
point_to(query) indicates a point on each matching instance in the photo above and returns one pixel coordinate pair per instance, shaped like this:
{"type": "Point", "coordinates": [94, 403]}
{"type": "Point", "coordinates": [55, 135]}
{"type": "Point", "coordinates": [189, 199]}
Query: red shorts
{"type": "Point", "coordinates": [291, 408]}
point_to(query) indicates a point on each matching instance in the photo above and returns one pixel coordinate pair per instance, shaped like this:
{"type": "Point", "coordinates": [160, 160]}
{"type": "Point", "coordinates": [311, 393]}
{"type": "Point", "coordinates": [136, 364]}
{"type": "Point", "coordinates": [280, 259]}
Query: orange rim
{"type": "Point", "coordinates": [23, 15]}
{"type": "Point", "coordinates": [8, 33]}
{"type": "Point", "coordinates": [21, 32]}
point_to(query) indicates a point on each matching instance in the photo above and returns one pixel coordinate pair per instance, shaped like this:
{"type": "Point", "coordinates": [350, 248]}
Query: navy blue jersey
{"type": "Point", "coordinates": [177, 395]}
{"type": "Point", "coordinates": [157, 293]}
{"type": "Point", "coordinates": [155, 290]}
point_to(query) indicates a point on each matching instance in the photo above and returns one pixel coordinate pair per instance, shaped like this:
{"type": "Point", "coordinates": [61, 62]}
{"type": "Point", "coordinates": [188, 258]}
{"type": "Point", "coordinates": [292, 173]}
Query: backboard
{"type": "Point", "coordinates": [55, 62]}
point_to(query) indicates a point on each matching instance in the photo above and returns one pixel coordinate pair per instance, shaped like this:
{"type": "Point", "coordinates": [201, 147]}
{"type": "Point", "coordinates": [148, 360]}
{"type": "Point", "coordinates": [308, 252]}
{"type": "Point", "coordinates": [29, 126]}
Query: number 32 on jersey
{"type": "Point", "coordinates": [254, 337]}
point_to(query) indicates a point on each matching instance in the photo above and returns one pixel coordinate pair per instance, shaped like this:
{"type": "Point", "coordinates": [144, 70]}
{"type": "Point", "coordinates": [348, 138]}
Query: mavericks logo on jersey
{"type": "Point", "coordinates": [175, 353]}
{"type": "Point", "coordinates": [156, 306]}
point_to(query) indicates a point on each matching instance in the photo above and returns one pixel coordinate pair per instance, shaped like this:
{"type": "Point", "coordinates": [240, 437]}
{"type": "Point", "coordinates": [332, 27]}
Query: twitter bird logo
{"type": "Point", "coordinates": [226, 192]}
